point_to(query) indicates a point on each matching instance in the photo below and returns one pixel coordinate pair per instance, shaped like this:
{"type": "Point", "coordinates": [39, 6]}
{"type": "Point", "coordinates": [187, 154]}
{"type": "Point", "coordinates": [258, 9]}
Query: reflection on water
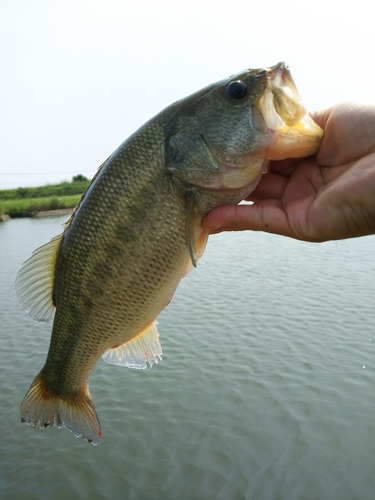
{"type": "Point", "coordinates": [266, 388]}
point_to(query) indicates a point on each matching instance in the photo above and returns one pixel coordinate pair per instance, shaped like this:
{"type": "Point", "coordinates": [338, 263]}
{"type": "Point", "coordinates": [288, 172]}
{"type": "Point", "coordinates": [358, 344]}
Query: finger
{"type": "Point", "coordinates": [268, 217]}
{"type": "Point", "coordinates": [349, 133]}
{"type": "Point", "coordinates": [321, 116]}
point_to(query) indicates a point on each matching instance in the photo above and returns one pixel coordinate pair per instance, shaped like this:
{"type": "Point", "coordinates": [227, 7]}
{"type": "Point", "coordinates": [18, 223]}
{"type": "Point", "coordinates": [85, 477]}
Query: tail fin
{"type": "Point", "coordinates": [41, 406]}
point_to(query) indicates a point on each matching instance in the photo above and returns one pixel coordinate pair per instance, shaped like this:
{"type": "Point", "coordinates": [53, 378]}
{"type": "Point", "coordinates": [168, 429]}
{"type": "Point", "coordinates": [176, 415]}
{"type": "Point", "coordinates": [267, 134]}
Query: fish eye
{"type": "Point", "coordinates": [237, 90]}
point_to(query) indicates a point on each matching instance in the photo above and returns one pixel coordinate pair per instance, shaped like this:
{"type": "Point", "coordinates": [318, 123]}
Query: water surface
{"type": "Point", "coordinates": [266, 389]}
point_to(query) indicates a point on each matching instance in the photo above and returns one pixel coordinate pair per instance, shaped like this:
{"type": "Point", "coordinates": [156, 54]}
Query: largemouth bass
{"type": "Point", "coordinates": [137, 232]}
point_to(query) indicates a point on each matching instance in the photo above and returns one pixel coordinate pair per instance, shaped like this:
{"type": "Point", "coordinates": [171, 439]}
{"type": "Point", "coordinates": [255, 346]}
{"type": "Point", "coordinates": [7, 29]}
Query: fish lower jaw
{"type": "Point", "coordinates": [301, 140]}
{"type": "Point", "coordinates": [292, 131]}
{"type": "Point", "coordinates": [245, 187]}
{"type": "Point", "coordinates": [234, 179]}
{"type": "Point", "coordinates": [248, 188]}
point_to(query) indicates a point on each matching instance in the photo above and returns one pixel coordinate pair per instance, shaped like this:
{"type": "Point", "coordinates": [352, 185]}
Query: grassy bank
{"type": "Point", "coordinates": [16, 202]}
{"type": "Point", "coordinates": [30, 205]}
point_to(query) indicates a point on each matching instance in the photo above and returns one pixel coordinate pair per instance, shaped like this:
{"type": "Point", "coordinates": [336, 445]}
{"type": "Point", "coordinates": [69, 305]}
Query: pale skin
{"type": "Point", "coordinates": [328, 196]}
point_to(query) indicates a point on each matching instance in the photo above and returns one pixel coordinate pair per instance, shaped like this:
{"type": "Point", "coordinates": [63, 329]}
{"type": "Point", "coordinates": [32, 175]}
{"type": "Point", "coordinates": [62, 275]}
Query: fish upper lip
{"type": "Point", "coordinates": [279, 76]}
{"type": "Point", "coordinates": [278, 70]}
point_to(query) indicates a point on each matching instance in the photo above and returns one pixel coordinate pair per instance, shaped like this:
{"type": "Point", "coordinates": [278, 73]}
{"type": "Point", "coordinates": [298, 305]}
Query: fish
{"type": "Point", "coordinates": [137, 232]}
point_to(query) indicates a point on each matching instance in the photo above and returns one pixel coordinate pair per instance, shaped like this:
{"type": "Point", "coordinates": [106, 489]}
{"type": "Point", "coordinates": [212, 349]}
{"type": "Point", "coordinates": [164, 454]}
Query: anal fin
{"type": "Point", "coordinates": [136, 353]}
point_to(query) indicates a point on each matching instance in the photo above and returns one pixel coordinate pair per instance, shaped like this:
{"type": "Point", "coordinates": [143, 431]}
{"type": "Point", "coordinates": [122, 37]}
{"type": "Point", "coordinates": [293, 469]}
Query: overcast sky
{"type": "Point", "coordinates": [78, 77]}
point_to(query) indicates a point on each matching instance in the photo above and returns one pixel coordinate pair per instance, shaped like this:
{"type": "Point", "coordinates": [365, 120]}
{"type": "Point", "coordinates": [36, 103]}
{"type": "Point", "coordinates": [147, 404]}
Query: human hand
{"type": "Point", "coordinates": [324, 197]}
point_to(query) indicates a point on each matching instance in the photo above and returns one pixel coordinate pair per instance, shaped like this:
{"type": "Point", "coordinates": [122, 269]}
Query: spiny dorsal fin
{"type": "Point", "coordinates": [144, 347]}
{"type": "Point", "coordinates": [34, 282]}
{"type": "Point", "coordinates": [69, 221]}
{"type": "Point", "coordinates": [196, 237]}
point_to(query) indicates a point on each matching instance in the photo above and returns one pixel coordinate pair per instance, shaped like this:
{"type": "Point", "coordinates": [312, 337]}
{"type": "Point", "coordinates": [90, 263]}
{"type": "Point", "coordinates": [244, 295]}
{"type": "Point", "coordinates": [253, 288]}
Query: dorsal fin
{"type": "Point", "coordinates": [34, 282]}
{"type": "Point", "coordinates": [69, 221]}
{"type": "Point", "coordinates": [144, 347]}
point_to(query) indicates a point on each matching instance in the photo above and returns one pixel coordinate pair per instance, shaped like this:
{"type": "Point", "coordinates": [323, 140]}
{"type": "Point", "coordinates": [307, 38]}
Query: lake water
{"type": "Point", "coordinates": [266, 389]}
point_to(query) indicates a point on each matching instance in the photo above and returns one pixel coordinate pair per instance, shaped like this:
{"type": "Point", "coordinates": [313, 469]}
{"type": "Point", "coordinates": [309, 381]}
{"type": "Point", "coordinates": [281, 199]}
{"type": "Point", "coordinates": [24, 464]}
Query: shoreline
{"type": "Point", "coordinates": [42, 213]}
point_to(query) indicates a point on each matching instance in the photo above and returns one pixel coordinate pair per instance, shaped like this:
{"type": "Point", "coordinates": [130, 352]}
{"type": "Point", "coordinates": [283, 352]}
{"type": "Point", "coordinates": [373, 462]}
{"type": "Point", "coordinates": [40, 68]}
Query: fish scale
{"type": "Point", "coordinates": [117, 276]}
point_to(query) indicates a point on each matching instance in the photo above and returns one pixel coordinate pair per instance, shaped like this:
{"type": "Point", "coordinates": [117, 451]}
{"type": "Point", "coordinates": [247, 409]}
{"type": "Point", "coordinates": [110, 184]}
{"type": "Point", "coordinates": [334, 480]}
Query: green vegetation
{"type": "Point", "coordinates": [62, 189]}
{"type": "Point", "coordinates": [80, 178]}
{"type": "Point", "coordinates": [30, 205]}
{"type": "Point", "coordinates": [50, 197]}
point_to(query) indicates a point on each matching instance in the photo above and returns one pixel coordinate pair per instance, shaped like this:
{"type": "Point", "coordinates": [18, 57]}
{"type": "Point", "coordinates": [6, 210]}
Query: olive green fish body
{"type": "Point", "coordinates": [137, 232]}
{"type": "Point", "coordinates": [118, 261]}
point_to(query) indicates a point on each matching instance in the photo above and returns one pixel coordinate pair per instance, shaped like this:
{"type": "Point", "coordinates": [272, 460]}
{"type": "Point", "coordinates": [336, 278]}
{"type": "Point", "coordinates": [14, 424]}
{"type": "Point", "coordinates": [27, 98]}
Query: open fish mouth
{"type": "Point", "coordinates": [283, 112]}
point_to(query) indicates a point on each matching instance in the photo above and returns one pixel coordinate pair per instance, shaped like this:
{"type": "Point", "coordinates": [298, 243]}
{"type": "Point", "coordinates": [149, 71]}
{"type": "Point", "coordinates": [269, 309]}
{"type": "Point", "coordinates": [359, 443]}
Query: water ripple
{"type": "Point", "coordinates": [261, 392]}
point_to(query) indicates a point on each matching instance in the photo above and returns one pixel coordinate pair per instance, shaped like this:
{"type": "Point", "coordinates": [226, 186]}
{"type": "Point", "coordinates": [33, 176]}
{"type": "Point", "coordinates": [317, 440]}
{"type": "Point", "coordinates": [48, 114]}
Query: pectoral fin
{"type": "Point", "coordinates": [143, 348]}
{"type": "Point", "coordinates": [196, 236]}
{"type": "Point", "coordinates": [34, 282]}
